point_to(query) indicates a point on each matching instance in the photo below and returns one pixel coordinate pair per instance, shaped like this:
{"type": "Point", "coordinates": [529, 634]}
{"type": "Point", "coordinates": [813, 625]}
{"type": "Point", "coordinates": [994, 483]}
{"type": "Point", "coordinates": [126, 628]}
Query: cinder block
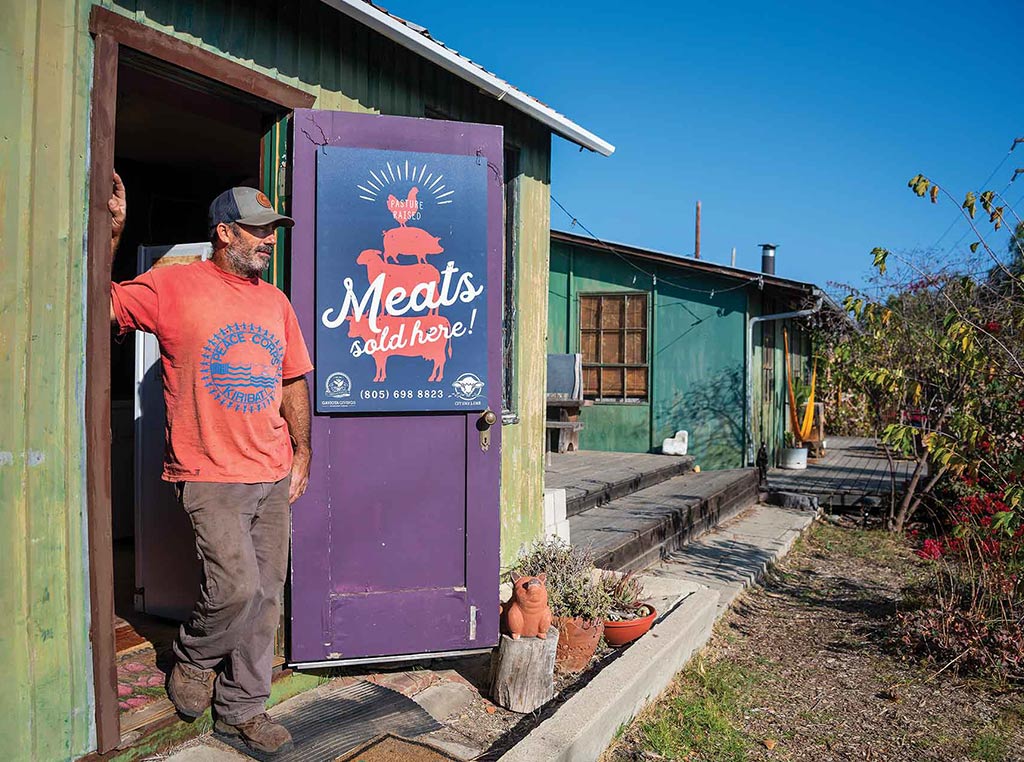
{"type": "Point", "coordinates": [549, 507]}
{"type": "Point", "coordinates": [561, 529]}
{"type": "Point", "coordinates": [559, 498]}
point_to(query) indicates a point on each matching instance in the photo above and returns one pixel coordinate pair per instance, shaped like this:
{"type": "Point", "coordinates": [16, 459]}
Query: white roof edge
{"type": "Point", "coordinates": [464, 69]}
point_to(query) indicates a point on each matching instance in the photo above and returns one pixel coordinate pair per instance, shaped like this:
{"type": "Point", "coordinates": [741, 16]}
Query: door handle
{"type": "Point", "coordinates": [483, 425]}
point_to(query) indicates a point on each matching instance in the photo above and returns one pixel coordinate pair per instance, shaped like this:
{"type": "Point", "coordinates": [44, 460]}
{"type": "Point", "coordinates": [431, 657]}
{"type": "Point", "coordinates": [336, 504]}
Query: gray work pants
{"type": "Point", "coordinates": [242, 541]}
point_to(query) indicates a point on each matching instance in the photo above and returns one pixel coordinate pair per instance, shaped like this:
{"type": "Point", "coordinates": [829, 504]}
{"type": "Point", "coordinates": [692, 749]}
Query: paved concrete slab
{"type": "Point", "coordinates": [457, 750]}
{"type": "Point", "coordinates": [444, 700]}
{"type": "Point", "coordinates": [736, 554]}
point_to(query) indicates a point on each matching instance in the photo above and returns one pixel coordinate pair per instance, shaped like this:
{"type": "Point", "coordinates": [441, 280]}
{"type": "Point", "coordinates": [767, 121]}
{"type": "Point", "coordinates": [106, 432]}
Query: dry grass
{"type": "Point", "coordinates": [809, 665]}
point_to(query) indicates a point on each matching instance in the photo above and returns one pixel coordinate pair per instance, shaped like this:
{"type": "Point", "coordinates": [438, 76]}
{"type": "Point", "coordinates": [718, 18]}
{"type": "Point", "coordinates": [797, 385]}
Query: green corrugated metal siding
{"type": "Point", "coordinates": [45, 69]}
{"type": "Point", "coordinates": [699, 366]}
{"type": "Point", "coordinates": [697, 360]}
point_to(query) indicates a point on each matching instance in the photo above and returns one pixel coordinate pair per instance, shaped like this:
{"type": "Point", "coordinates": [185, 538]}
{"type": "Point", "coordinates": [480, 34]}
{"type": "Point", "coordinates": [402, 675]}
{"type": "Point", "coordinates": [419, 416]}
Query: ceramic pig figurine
{"type": "Point", "coordinates": [527, 612]}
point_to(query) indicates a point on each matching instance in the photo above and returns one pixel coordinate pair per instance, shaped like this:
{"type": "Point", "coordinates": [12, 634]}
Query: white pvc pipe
{"type": "Point", "coordinates": [749, 428]}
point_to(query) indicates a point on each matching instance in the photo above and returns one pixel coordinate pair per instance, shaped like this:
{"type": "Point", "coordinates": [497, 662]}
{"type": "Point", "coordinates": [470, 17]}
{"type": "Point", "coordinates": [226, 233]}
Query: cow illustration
{"type": "Point", "coordinates": [433, 350]}
{"type": "Point", "coordinates": [415, 242]}
{"type": "Point", "coordinates": [406, 277]}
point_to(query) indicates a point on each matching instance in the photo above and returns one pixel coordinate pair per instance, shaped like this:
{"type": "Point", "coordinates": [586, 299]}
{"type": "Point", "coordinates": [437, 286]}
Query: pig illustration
{"type": "Point", "coordinates": [406, 277]}
{"type": "Point", "coordinates": [409, 240]}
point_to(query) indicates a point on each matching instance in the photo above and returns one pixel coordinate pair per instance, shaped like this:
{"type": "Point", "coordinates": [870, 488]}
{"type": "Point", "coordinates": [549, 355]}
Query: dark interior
{"type": "Point", "coordinates": [180, 140]}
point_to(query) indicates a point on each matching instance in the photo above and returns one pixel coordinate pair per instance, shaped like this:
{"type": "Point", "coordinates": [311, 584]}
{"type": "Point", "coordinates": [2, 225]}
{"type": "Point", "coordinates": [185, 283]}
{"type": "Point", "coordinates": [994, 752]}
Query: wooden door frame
{"type": "Point", "coordinates": [111, 31]}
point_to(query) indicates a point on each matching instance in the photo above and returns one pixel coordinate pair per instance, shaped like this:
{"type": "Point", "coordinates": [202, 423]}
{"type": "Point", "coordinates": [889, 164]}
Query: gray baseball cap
{"type": "Point", "coordinates": [246, 205]}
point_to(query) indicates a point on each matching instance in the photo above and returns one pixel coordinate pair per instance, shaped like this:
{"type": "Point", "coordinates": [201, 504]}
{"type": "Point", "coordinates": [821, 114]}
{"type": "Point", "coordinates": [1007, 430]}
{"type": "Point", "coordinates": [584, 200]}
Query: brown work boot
{"type": "Point", "coordinates": [190, 688]}
{"type": "Point", "coordinates": [260, 733]}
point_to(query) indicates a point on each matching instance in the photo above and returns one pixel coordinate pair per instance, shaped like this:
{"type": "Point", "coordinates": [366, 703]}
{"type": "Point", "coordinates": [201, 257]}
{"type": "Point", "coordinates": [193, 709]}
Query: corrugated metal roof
{"type": "Point", "coordinates": [799, 290]}
{"type": "Point", "coordinates": [700, 265]}
{"type": "Point", "coordinates": [418, 39]}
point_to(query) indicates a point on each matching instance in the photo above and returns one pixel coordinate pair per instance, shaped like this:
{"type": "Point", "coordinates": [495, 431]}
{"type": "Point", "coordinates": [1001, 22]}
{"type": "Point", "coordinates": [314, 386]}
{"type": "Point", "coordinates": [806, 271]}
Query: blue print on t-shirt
{"type": "Point", "coordinates": [241, 366]}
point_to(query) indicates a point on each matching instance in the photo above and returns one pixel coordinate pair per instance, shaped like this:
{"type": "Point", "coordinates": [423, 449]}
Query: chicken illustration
{"type": "Point", "coordinates": [403, 211]}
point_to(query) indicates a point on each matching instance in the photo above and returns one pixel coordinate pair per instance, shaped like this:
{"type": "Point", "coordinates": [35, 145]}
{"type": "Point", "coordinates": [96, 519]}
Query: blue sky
{"type": "Point", "coordinates": [798, 124]}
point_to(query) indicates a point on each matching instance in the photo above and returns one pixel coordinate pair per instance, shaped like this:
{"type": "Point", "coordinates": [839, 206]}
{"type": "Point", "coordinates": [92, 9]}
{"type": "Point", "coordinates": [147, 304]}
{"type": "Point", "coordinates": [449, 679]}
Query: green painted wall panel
{"type": "Point", "coordinates": [696, 343]}
{"type": "Point", "coordinates": [44, 71]}
{"type": "Point", "coordinates": [616, 427]}
{"type": "Point", "coordinates": [699, 366]}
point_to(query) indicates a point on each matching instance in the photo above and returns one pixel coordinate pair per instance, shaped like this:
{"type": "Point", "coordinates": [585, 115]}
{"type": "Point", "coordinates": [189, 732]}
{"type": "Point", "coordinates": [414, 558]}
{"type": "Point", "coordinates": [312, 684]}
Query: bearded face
{"type": "Point", "coordinates": [247, 253]}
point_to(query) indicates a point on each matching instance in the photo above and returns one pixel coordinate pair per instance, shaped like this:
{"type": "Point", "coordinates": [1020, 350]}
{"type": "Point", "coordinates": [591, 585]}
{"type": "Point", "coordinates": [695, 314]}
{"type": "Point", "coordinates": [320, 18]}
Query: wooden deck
{"type": "Point", "coordinates": [852, 469]}
{"type": "Point", "coordinates": [591, 477]}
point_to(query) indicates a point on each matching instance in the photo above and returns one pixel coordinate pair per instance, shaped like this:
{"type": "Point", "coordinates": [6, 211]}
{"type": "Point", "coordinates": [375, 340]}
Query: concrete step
{"type": "Point", "coordinates": [641, 528]}
{"type": "Point", "coordinates": [616, 482]}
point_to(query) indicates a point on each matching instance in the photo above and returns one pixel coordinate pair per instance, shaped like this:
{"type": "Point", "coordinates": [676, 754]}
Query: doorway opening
{"type": "Point", "coordinates": [180, 139]}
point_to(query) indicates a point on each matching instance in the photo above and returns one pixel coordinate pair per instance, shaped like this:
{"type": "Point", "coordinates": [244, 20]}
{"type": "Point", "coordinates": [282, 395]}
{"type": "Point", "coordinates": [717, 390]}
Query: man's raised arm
{"type": "Point", "coordinates": [118, 206]}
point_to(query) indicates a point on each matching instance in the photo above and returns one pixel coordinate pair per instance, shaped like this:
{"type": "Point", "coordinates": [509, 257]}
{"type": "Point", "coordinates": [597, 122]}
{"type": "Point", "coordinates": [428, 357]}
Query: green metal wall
{"type": "Point", "coordinates": [45, 62]}
{"type": "Point", "coordinates": [45, 69]}
{"type": "Point", "coordinates": [695, 345]}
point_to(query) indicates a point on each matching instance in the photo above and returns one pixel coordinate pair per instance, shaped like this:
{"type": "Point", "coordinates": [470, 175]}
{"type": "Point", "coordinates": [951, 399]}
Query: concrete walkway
{"type": "Point", "coordinates": [734, 555]}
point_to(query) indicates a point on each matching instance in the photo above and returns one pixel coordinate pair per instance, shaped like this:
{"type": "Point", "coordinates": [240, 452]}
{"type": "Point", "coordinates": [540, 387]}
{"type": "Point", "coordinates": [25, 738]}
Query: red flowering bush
{"type": "Point", "coordinates": [932, 549]}
{"type": "Point", "coordinates": [973, 614]}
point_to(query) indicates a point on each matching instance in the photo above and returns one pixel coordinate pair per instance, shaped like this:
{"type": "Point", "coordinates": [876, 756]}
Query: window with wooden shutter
{"type": "Point", "coordinates": [613, 342]}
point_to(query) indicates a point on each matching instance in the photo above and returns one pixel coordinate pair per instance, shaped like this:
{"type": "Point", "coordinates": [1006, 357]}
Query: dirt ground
{"type": "Point", "coordinates": [808, 667]}
{"type": "Point", "coordinates": [486, 726]}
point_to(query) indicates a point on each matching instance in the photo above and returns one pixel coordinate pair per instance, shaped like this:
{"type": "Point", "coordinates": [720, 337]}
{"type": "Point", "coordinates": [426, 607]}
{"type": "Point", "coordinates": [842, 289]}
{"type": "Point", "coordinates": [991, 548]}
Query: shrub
{"type": "Point", "coordinates": [572, 591]}
{"type": "Point", "coordinates": [973, 615]}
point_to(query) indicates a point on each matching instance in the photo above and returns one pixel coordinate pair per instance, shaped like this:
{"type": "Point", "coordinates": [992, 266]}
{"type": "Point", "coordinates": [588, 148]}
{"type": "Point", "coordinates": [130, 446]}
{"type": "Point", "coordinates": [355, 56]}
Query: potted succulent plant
{"type": "Point", "coordinates": [793, 456]}
{"type": "Point", "coordinates": [579, 604]}
{"type": "Point", "coordinates": [629, 616]}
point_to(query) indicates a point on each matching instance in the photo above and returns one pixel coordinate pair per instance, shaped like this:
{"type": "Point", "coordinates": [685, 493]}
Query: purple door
{"type": "Point", "coordinates": [396, 279]}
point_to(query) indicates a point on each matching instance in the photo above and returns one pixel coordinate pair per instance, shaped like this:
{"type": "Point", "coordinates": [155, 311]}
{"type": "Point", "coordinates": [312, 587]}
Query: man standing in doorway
{"type": "Point", "coordinates": [233, 364]}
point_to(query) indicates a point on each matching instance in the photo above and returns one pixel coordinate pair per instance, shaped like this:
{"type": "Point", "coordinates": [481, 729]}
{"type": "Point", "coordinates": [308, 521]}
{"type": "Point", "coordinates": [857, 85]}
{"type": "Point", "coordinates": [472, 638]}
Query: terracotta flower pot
{"type": "Point", "coordinates": [621, 633]}
{"type": "Point", "coordinates": [577, 642]}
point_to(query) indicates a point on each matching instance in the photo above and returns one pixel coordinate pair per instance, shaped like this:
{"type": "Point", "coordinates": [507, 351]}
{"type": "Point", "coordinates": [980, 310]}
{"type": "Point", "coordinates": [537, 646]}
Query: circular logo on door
{"type": "Point", "coordinates": [338, 385]}
{"type": "Point", "coordinates": [468, 387]}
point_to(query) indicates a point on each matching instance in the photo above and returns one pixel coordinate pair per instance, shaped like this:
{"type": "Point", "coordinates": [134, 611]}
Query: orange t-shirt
{"type": "Point", "coordinates": [226, 342]}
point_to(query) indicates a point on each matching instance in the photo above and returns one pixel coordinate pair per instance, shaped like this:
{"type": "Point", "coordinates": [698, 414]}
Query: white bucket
{"type": "Point", "coordinates": [794, 458]}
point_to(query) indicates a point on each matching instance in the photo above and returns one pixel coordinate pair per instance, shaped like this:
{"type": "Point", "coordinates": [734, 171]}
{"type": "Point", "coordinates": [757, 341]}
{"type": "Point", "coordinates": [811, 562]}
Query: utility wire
{"type": "Point", "coordinates": [980, 186]}
{"type": "Point", "coordinates": [653, 276]}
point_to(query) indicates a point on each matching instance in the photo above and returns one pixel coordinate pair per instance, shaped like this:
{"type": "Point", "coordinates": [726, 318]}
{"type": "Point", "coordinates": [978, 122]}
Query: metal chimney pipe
{"type": "Point", "coordinates": [696, 247]}
{"type": "Point", "coordinates": [768, 258]}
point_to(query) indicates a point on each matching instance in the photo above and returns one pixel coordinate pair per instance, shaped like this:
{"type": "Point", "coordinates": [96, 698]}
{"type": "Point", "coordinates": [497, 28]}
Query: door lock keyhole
{"type": "Point", "coordinates": [483, 425]}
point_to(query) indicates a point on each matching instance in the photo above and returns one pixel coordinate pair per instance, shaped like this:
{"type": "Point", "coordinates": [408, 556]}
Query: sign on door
{"type": "Point", "coordinates": [401, 281]}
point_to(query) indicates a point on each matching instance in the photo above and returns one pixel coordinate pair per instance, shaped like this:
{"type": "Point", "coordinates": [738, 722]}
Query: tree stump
{"type": "Point", "coordinates": [522, 672]}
